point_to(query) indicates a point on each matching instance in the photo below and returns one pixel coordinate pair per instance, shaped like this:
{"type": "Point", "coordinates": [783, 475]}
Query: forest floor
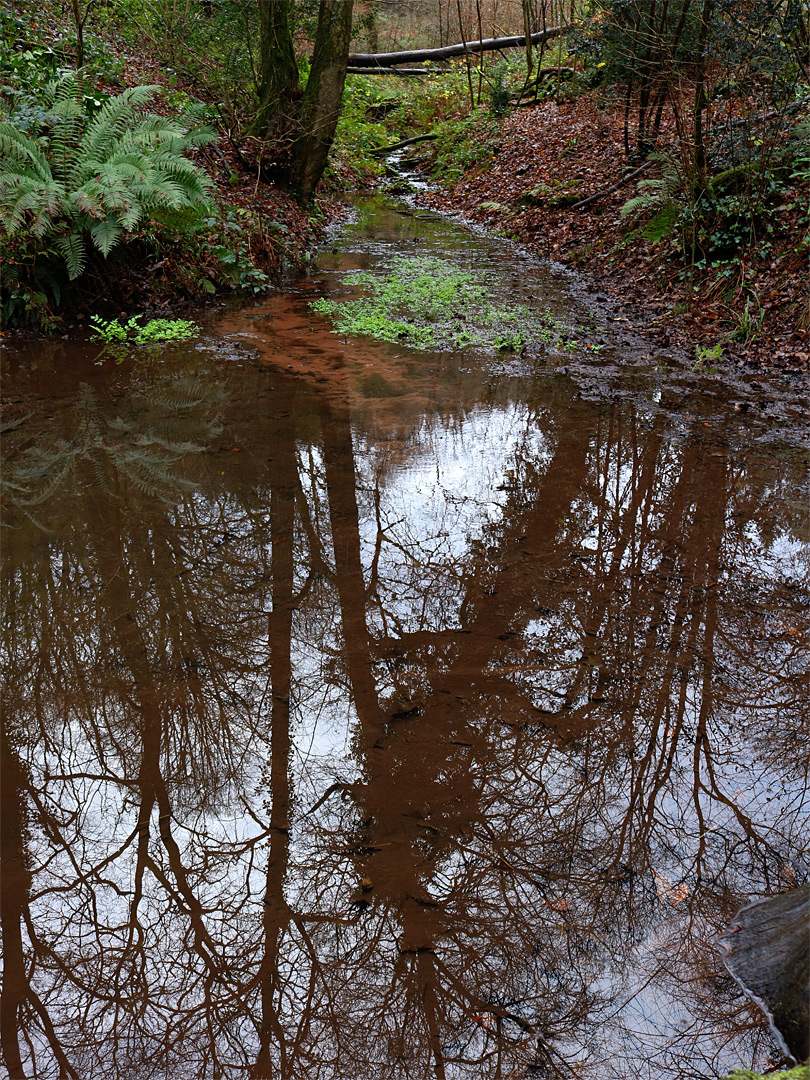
{"type": "Point", "coordinates": [574, 148]}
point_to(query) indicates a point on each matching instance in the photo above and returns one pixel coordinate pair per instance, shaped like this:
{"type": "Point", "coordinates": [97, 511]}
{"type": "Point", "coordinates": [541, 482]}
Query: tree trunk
{"type": "Point", "coordinates": [527, 33]}
{"type": "Point", "coordinates": [371, 27]}
{"type": "Point", "coordinates": [701, 99]}
{"type": "Point", "coordinates": [278, 72]}
{"type": "Point", "coordinates": [320, 107]}
{"type": "Point", "coordinates": [79, 21]}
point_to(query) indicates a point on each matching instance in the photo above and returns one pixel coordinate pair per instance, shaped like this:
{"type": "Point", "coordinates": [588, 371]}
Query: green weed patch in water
{"type": "Point", "coordinates": [120, 337]}
{"type": "Point", "coordinates": [431, 303]}
{"type": "Point", "coordinates": [801, 1072]}
{"type": "Point", "coordinates": [111, 331]}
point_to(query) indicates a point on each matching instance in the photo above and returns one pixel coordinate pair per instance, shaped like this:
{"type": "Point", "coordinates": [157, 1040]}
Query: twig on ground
{"type": "Point", "coordinates": [613, 187]}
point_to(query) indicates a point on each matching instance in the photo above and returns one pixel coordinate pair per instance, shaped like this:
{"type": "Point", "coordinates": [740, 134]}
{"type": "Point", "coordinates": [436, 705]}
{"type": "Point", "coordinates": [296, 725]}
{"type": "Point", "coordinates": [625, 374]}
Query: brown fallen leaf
{"type": "Point", "coordinates": [667, 892]}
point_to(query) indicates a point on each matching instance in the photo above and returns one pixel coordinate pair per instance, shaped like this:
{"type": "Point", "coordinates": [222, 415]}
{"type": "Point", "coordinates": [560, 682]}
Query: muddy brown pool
{"type": "Point", "coordinates": [379, 713]}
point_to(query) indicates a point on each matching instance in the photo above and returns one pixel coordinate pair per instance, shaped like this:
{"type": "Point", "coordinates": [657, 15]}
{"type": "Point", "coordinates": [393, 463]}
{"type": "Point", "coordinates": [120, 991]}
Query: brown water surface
{"type": "Point", "coordinates": [374, 713]}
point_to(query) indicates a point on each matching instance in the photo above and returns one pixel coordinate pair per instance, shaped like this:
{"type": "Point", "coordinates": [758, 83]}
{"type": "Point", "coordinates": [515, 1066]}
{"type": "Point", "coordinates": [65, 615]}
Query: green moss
{"type": "Point", "coordinates": [800, 1072]}
{"type": "Point", "coordinates": [432, 303]}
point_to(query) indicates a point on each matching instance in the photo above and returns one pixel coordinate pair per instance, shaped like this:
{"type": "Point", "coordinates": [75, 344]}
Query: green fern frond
{"type": "Point", "coordinates": [186, 172]}
{"type": "Point", "coordinates": [13, 192]}
{"type": "Point", "coordinates": [168, 193]}
{"type": "Point", "coordinates": [154, 131]}
{"type": "Point", "coordinates": [87, 200]}
{"type": "Point", "coordinates": [666, 195]}
{"type": "Point", "coordinates": [113, 119]}
{"type": "Point", "coordinates": [135, 166]}
{"type": "Point", "coordinates": [65, 88]}
{"type": "Point", "coordinates": [112, 188]}
{"type": "Point", "coordinates": [38, 205]}
{"type": "Point", "coordinates": [662, 224]}
{"type": "Point", "coordinates": [67, 123]}
{"type": "Point", "coordinates": [17, 148]}
{"type": "Point", "coordinates": [99, 176]}
{"type": "Point", "coordinates": [201, 136]}
{"type": "Point", "coordinates": [105, 235]}
{"type": "Point", "coordinates": [68, 109]}
{"type": "Point", "coordinates": [130, 218]}
{"type": "Point", "coordinates": [73, 249]}
{"type": "Point", "coordinates": [637, 204]}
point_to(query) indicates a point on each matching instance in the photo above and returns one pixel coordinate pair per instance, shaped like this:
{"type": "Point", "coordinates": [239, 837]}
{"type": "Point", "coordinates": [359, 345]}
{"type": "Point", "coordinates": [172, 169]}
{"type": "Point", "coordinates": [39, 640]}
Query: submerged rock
{"type": "Point", "coordinates": [767, 950]}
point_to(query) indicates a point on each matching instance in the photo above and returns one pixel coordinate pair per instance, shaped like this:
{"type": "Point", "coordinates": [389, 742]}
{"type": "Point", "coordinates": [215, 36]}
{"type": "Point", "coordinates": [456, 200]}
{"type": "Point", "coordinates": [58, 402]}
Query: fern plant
{"type": "Point", "coordinates": [666, 196]}
{"type": "Point", "coordinates": [97, 177]}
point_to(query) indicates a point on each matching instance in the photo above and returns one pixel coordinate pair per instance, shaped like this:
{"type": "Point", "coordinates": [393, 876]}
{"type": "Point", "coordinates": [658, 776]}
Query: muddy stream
{"type": "Point", "coordinates": [380, 713]}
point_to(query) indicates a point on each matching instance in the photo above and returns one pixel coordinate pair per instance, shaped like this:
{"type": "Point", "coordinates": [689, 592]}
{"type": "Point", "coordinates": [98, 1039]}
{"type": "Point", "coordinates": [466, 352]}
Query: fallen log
{"type": "Point", "coordinates": [420, 56]}
{"type": "Point", "coordinates": [393, 71]}
{"type": "Point", "coordinates": [403, 143]}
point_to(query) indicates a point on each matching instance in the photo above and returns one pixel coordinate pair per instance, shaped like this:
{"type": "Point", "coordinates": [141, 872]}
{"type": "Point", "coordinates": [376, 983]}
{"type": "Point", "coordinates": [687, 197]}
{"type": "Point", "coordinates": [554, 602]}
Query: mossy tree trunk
{"type": "Point", "coordinates": [278, 73]}
{"type": "Point", "coordinates": [372, 30]}
{"type": "Point", "coordinates": [320, 107]}
{"type": "Point", "coordinates": [301, 126]}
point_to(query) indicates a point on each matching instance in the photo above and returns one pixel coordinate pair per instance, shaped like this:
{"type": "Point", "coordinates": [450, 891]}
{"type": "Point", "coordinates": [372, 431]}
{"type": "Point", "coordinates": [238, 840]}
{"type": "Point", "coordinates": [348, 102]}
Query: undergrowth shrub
{"type": "Point", "coordinates": [463, 143]}
{"type": "Point", "coordinates": [211, 46]}
{"type": "Point", "coordinates": [711, 220]}
{"type": "Point", "coordinates": [30, 59]}
{"type": "Point", "coordinates": [501, 88]}
{"type": "Point", "coordinates": [435, 98]}
{"type": "Point", "coordinates": [361, 128]}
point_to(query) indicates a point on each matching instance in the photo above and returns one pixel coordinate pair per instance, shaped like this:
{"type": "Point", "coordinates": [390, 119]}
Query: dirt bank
{"type": "Point", "coordinates": [556, 153]}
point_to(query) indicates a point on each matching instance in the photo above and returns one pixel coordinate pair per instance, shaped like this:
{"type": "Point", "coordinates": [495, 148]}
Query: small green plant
{"type": "Point", "coordinates": [166, 330]}
{"type": "Point", "coordinates": [509, 342]}
{"type": "Point", "coordinates": [499, 92]}
{"type": "Point", "coordinates": [665, 196]}
{"type": "Point", "coordinates": [705, 354]}
{"type": "Point", "coordinates": [555, 193]}
{"type": "Point", "coordinates": [747, 324]}
{"type": "Point", "coordinates": [800, 147]}
{"type": "Point", "coordinates": [114, 332]}
{"type": "Point", "coordinates": [234, 261]}
{"type": "Point", "coordinates": [462, 143]}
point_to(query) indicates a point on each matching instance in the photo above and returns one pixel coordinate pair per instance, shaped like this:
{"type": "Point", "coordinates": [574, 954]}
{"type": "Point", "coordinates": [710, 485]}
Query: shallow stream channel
{"type": "Point", "coordinates": [381, 711]}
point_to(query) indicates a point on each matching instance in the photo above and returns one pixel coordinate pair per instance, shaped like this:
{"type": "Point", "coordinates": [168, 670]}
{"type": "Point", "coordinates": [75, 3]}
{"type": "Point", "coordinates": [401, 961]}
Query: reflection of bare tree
{"type": "Point", "coordinates": [312, 773]}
